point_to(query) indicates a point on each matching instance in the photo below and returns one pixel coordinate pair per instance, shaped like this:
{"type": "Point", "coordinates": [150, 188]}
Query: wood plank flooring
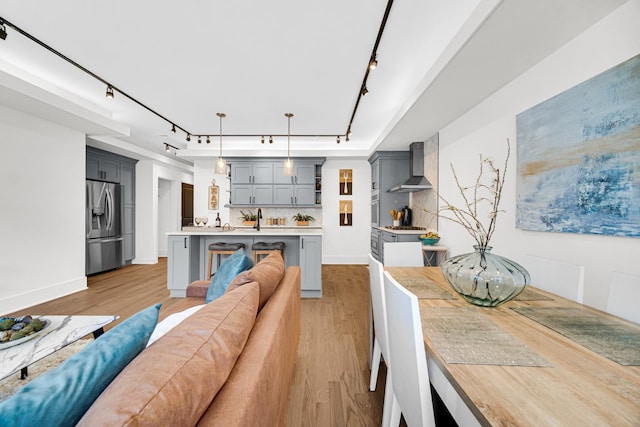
{"type": "Point", "coordinates": [332, 374]}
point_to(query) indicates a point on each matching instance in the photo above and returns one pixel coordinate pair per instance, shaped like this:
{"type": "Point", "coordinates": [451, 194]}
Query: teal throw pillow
{"type": "Point", "coordinates": [61, 396]}
{"type": "Point", "coordinates": [228, 270]}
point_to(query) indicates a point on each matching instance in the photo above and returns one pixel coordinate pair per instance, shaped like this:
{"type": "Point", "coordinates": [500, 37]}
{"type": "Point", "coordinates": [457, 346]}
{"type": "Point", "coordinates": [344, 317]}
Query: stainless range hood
{"type": "Point", "coordinates": [416, 181]}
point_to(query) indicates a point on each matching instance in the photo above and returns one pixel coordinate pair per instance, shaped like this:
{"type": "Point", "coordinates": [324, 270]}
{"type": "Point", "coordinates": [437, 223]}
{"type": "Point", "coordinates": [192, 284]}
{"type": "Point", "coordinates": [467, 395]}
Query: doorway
{"type": "Point", "coordinates": [187, 204]}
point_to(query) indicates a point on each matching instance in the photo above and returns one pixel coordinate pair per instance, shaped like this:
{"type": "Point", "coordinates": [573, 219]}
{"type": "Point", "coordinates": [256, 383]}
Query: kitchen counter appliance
{"type": "Point", "coordinates": [104, 226]}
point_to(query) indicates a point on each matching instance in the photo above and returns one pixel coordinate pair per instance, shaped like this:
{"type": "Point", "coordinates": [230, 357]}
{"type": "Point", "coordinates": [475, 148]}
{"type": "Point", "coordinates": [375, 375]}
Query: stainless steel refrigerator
{"type": "Point", "coordinates": [105, 231]}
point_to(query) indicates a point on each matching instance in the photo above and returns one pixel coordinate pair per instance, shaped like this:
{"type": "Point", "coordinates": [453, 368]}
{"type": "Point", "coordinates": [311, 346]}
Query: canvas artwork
{"type": "Point", "coordinates": [213, 197]}
{"type": "Point", "coordinates": [346, 213]}
{"type": "Point", "coordinates": [346, 182]}
{"type": "Point", "coordinates": [578, 167]}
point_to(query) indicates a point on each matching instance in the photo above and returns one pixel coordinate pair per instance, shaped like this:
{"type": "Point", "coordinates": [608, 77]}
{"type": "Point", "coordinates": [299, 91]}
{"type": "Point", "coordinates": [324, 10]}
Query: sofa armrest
{"type": "Point", "coordinates": [198, 288]}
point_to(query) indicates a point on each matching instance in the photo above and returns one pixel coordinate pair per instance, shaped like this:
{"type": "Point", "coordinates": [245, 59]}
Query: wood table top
{"type": "Point", "coordinates": [579, 388]}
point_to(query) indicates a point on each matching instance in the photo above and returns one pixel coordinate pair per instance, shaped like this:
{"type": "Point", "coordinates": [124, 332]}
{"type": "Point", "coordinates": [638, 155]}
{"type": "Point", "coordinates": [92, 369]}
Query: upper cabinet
{"type": "Point", "coordinates": [252, 180]}
{"type": "Point", "coordinates": [101, 167]}
{"type": "Point", "coordinates": [251, 173]}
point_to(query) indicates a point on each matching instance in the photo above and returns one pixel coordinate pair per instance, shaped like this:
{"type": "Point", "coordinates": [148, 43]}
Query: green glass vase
{"type": "Point", "coordinates": [485, 279]}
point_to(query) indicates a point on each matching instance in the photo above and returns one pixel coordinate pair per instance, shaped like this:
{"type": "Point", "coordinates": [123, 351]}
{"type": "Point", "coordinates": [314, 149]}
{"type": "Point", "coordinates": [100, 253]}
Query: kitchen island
{"type": "Point", "coordinates": [188, 253]}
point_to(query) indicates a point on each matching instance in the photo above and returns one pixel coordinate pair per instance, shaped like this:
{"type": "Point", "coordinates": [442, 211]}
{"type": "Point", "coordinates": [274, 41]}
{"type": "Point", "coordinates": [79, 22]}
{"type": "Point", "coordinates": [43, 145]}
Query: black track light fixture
{"type": "Point", "coordinates": [364, 91]}
{"type": "Point", "coordinates": [109, 93]}
{"type": "Point", "coordinates": [166, 147]}
{"type": "Point", "coordinates": [262, 140]}
{"type": "Point", "coordinates": [199, 140]}
{"type": "Point", "coordinates": [173, 128]}
{"type": "Point", "coordinates": [270, 140]}
{"type": "Point", "coordinates": [338, 139]}
{"type": "Point", "coordinates": [3, 31]}
{"type": "Point", "coordinates": [373, 64]}
{"type": "Point", "coordinates": [208, 140]}
{"type": "Point", "coordinates": [188, 137]}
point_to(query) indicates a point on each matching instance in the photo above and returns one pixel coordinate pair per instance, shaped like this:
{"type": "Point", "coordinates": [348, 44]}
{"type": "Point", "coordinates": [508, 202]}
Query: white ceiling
{"type": "Point", "coordinates": [257, 60]}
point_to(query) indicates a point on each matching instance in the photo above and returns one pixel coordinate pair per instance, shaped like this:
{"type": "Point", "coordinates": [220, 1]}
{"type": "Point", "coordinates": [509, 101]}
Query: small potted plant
{"type": "Point", "coordinates": [248, 218]}
{"type": "Point", "coordinates": [303, 219]}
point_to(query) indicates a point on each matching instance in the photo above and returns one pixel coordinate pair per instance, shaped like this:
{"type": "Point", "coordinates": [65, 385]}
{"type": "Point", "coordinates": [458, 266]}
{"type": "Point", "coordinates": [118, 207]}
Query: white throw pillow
{"type": "Point", "coordinates": [171, 322]}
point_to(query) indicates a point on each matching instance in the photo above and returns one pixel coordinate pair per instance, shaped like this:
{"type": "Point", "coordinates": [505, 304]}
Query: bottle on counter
{"type": "Point", "coordinates": [218, 219]}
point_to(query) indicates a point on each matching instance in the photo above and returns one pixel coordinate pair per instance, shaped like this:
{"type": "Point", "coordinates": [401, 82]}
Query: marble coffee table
{"type": "Point", "coordinates": [62, 331]}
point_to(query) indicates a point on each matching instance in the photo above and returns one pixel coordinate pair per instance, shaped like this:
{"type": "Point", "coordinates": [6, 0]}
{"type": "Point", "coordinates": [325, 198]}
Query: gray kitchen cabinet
{"type": "Point", "coordinates": [127, 179]}
{"type": "Point", "coordinates": [102, 168]}
{"type": "Point", "coordinates": [248, 194]}
{"type": "Point", "coordinates": [184, 266]}
{"type": "Point", "coordinates": [283, 194]}
{"type": "Point", "coordinates": [388, 168]}
{"type": "Point", "coordinates": [250, 179]}
{"type": "Point", "coordinates": [375, 243]}
{"type": "Point", "coordinates": [294, 195]}
{"type": "Point", "coordinates": [303, 173]}
{"type": "Point", "coordinates": [311, 266]}
{"type": "Point", "coordinates": [304, 195]}
{"type": "Point", "coordinates": [252, 173]}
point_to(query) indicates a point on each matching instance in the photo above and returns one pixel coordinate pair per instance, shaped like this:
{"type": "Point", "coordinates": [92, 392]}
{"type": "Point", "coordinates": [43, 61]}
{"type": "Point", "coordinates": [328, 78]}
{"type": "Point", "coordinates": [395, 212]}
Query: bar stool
{"type": "Point", "coordinates": [221, 248]}
{"type": "Point", "coordinates": [264, 248]}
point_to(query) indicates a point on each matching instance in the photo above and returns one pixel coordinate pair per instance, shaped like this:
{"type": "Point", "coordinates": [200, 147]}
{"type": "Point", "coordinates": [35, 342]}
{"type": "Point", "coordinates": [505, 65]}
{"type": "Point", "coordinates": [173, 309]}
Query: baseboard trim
{"type": "Point", "coordinates": [37, 296]}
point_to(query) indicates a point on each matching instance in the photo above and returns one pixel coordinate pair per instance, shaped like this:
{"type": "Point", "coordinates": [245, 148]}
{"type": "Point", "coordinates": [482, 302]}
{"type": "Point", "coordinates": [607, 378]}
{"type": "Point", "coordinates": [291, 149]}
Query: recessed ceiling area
{"type": "Point", "coordinates": [256, 61]}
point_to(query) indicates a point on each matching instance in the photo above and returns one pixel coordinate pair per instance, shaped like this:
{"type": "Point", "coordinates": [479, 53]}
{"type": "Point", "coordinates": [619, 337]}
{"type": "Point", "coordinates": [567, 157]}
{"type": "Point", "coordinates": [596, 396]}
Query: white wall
{"type": "Point", "coordinates": [165, 198]}
{"type": "Point", "coordinates": [346, 245]}
{"type": "Point", "coordinates": [148, 176]}
{"type": "Point", "coordinates": [203, 173]}
{"type": "Point", "coordinates": [42, 197]}
{"type": "Point", "coordinates": [485, 128]}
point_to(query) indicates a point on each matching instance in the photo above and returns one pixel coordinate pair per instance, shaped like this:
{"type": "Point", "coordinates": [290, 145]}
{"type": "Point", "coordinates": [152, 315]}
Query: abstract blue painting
{"type": "Point", "coordinates": [579, 157]}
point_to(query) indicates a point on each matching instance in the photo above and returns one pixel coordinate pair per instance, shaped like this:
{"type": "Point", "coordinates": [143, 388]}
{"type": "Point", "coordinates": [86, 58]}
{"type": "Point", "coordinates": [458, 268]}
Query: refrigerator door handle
{"type": "Point", "coordinates": [115, 239]}
{"type": "Point", "coordinates": [109, 209]}
{"type": "Point", "coordinates": [88, 216]}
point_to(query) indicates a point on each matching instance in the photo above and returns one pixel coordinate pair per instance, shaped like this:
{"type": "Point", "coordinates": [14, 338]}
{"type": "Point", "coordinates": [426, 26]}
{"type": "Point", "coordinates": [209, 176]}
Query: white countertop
{"type": "Point", "coordinates": [249, 231]}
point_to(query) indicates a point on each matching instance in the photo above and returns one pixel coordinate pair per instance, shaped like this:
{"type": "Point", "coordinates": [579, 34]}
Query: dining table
{"type": "Point", "coordinates": [537, 360]}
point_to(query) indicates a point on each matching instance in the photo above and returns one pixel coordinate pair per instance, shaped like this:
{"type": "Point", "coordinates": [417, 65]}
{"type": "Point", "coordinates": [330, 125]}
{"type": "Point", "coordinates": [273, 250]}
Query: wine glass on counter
{"type": "Point", "coordinates": [205, 220]}
{"type": "Point", "coordinates": [197, 220]}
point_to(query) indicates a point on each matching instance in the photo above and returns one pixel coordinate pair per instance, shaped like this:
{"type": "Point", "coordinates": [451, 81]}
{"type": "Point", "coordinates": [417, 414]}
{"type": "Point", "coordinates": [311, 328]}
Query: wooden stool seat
{"type": "Point", "coordinates": [221, 248]}
{"type": "Point", "coordinates": [265, 248]}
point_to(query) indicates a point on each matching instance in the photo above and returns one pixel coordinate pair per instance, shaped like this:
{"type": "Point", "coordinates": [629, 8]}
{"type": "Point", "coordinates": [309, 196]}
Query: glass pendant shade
{"type": "Point", "coordinates": [287, 167]}
{"type": "Point", "coordinates": [221, 166]}
{"type": "Point", "coordinates": [288, 163]}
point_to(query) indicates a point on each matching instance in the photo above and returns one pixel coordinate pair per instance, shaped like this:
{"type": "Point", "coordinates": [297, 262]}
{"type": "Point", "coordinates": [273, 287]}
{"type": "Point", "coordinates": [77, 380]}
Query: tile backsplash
{"type": "Point", "coordinates": [287, 213]}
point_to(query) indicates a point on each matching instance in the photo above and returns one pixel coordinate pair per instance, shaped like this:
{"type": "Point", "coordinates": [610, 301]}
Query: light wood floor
{"type": "Point", "coordinates": [332, 374]}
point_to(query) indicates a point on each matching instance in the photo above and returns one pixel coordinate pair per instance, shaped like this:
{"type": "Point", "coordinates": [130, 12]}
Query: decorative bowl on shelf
{"type": "Point", "coordinates": [429, 241]}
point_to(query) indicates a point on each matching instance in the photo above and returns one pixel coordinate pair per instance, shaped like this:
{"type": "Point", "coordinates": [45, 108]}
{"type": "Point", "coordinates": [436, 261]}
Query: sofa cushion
{"type": "Point", "coordinates": [230, 268]}
{"type": "Point", "coordinates": [268, 273]}
{"type": "Point", "coordinates": [173, 381]}
{"type": "Point", "coordinates": [60, 396]}
{"type": "Point", "coordinates": [171, 321]}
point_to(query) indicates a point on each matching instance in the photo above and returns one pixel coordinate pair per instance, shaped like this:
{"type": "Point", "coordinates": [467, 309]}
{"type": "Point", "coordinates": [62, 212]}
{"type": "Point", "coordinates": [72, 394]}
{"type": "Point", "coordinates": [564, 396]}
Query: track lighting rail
{"type": "Point", "coordinates": [111, 89]}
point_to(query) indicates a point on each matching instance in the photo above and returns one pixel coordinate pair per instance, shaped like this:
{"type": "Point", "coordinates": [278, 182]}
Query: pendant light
{"type": "Point", "coordinates": [288, 163]}
{"type": "Point", "coordinates": [221, 163]}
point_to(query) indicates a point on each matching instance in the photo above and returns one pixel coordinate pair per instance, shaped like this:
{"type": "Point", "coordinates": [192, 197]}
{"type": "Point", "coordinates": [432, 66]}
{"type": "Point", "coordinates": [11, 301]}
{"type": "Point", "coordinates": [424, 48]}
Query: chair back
{"type": "Point", "coordinates": [378, 305]}
{"type": "Point", "coordinates": [403, 254]}
{"type": "Point", "coordinates": [624, 296]}
{"type": "Point", "coordinates": [408, 358]}
{"type": "Point", "coordinates": [558, 277]}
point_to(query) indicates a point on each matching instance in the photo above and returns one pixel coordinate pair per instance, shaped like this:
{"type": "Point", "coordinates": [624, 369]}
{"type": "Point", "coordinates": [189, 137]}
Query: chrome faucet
{"type": "Point", "coordinates": [257, 226]}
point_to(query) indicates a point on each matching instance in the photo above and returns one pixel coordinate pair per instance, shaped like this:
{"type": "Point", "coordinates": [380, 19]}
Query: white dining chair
{"type": "Point", "coordinates": [403, 254]}
{"type": "Point", "coordinates": [558, 277]}
{"type": "Point", "coordinates": [624, 296]}
{"type": "Point", "coordinates": [408, 360]}
{"type": "Point", "coordinates": [380, 344]}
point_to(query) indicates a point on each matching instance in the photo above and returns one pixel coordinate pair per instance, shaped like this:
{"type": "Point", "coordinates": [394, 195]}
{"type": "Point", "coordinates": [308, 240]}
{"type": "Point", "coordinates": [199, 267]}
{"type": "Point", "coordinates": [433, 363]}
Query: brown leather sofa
{"type": "Point", "coordinates": [218, 367]}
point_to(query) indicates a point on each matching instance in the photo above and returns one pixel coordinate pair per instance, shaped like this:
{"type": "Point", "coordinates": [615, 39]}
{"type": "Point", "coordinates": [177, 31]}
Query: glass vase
{"type": "Point", "coordinates": [485, 279]}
